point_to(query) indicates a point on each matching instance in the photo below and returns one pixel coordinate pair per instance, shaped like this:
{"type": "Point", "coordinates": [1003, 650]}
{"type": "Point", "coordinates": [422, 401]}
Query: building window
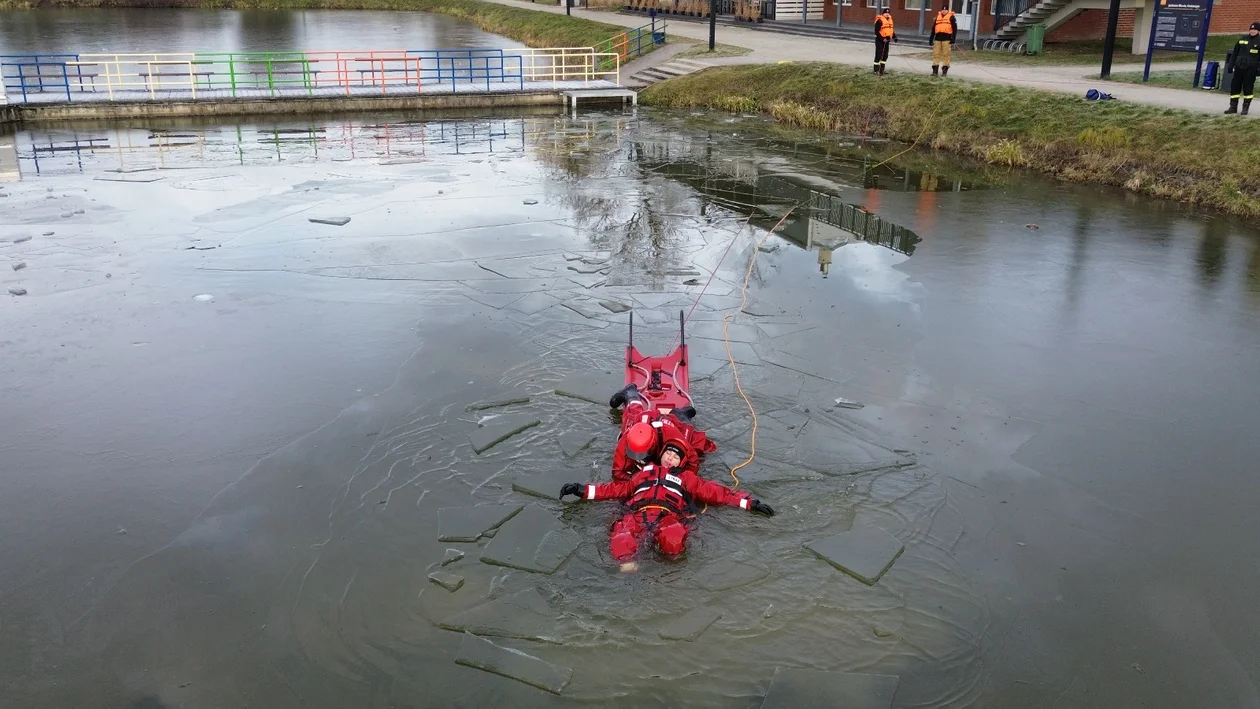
{"type": "Point", "coordinates": [914, 4]}
{"type": "Point", "coordinates": [873, 3]}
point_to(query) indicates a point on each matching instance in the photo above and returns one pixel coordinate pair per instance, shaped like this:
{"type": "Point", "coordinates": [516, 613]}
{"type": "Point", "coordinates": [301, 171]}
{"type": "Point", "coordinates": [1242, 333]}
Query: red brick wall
{"type": "Point", "coordinates": [858, 14]}
{"type": "Point", "coordinates": [1090, 24]}
{"type": "Point", "coordinates": [1228, 17]}
{"type": "Point", "coordinates": [1233, 16]}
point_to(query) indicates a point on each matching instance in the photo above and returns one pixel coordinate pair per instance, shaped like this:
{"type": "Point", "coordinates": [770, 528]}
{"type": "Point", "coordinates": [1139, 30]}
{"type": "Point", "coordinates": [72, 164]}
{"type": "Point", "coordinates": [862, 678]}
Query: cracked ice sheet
{"type": "Point", "coordinates": [595, 388]}
{"type": "Point", "coordinates": [498, 430]}
{"type": "Point", "coordinates": [513, 664]}
{"type": "Point", "coordinates": [810, 689]}
{"type": "Point", "coordinates": [546, 484]}
{"type": "Point", "coordinates": [524, 615]}
{"type": "Point", "coordinates": [535, 540]}
{"type": "Point", "coordinates": [515, 285]}
{"type": "Point", "coordinates": [468, 524]}
{"type": "Point", "coordinates": [865, 552]}
{"type": "Point", "coordinates": [690, 625]}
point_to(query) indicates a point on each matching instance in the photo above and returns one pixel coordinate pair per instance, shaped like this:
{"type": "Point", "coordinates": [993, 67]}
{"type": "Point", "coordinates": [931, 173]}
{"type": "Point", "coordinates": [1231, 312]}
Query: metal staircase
{"type": "Point", "coordinates": [1038, 12]}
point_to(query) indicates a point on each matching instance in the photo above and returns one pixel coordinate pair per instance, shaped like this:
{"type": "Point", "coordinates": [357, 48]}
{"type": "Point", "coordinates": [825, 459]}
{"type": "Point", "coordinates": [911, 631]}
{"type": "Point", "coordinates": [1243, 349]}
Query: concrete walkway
{"type": "Point", "coordinates": [771, 47]}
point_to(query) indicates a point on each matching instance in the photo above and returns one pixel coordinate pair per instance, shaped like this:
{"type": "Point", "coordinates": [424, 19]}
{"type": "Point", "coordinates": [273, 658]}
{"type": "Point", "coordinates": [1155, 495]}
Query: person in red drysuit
{"type": "Point", "coordinates": [661, 498]}
{"type": "Point", "coordinates": [644, 439]}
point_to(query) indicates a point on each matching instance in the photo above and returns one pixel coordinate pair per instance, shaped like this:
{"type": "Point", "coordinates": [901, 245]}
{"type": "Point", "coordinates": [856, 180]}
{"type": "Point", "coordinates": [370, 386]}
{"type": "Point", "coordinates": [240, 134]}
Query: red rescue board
{"type": "Point", "coordinates": [663, 380]}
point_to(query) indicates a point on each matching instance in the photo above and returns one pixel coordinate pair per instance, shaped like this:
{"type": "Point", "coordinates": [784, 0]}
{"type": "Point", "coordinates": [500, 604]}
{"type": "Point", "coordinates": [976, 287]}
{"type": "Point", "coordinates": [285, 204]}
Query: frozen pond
{"type": "Point", "coordinates": [230, 431]}
{"type": "Point", "coordinates": [89, 30]}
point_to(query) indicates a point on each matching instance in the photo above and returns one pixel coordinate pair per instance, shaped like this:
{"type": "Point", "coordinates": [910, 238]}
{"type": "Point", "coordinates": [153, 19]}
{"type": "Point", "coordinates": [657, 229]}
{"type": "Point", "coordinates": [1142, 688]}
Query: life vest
{"type": "Point", "coordinates": [657, 487]}
{"type": "Point", "coordinates": [943, 24]}
{"type": "Point", "coordinates": [886, 26]}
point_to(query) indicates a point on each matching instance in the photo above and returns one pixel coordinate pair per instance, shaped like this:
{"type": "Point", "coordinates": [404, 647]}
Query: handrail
{"type": "Point", "coordinates": [1007, 11]}
{"type": "Point", "coordinates": [201, 75]}
{"type": "Point", "coordinates": [631, 43]}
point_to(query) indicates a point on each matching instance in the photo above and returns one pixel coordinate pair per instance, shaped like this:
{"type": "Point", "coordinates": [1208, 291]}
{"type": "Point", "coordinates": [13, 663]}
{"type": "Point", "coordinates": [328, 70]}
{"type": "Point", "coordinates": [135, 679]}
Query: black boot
{"type": "Point", "coordinates": [935, 70]}
{"type": "Point", "coordinates": [876, 69]}
{"type": "Point", "coordinates": [684, 413]}
{"type": "Point", "coordinates": [1246, 106]}
{"type": "Point", "coordinates": [1233, 106]}
{"type": "Point", "coordinates": [629, 392]}
{"type": "Point", "coordinates": [882, 66]}
{"type": "Point", "coordinates": [944, 71]}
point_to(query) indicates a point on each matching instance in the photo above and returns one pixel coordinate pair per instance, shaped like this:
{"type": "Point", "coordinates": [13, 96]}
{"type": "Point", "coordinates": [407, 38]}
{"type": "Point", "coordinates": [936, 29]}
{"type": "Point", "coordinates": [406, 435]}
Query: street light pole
{"type": "Point", "coordinates": [712, 23]}
{"type": "Point", "coordinates": [1109, 44]}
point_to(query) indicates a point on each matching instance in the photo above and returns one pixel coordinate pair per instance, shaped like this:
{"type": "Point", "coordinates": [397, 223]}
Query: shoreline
{"type": "Point", "coordinates": [1165, 153]}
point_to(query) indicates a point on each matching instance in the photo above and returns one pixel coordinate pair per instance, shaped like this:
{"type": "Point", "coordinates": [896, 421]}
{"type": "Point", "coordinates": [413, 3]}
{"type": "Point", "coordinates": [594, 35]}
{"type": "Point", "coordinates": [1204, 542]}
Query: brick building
{"type": "Point", "coordinates": [1066, 20]}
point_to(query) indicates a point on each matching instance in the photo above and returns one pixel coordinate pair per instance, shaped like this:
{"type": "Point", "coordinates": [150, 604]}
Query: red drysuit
{"type": "Point", "coordinates": [670, 429]}
{"type": "Point", "coordinates": [660, 500]}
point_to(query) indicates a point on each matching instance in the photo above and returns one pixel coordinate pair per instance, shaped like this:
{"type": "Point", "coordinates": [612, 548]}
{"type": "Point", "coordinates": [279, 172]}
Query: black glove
{"type": "Point", "coordinates": [898, 41]}
{"type": "Point", "coordinates": [571, 489]}
{"type": "Point", "coordinates": [760, 508]}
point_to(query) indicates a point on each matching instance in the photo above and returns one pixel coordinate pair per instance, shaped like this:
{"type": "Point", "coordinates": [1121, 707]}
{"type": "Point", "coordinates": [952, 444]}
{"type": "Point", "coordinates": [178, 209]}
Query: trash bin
{"type": "Point", "coordinates": [1035, 39]}
{"type": "Point", "coordinates": [658, 38]}
{"type": "Point", "coordinates": [1210, 75]}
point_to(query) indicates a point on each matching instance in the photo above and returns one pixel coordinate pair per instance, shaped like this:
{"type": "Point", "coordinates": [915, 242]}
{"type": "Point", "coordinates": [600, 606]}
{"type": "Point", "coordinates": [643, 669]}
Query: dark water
{"type": "Point", "coordinates": [234, 500]}
{"type": "Point", "coordinates": [53, 31]}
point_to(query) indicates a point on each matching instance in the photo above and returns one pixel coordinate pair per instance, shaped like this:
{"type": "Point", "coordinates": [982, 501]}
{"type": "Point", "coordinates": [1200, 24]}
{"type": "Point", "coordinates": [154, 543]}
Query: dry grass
{"type": "Point", "coordinates": [1200, 159]}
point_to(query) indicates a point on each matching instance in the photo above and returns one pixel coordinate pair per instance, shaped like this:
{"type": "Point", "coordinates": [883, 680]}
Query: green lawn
{"type": "Point", "coordinates": [1196, 158]}
{"type": "Point", "coordinates": [1168, 79]}
{"type": "Point", "coordinates": [1090, 52]}
{"type": "Point", "coordinates": [700, 50]}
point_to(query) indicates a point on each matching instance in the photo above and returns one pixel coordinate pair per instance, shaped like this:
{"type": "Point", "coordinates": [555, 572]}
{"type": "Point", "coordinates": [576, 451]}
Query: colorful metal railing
{"type": "Point", "coordinates": [634, 42]}
{"type": "Point", "coordinates": [271, 74]}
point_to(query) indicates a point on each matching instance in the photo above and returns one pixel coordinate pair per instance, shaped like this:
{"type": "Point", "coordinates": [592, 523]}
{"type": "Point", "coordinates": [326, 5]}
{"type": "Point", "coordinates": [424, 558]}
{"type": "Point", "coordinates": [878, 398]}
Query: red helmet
{"type": "Point", "coordinates": [640, 440]}
{"type": "Point", "coordinates": [673, 440]}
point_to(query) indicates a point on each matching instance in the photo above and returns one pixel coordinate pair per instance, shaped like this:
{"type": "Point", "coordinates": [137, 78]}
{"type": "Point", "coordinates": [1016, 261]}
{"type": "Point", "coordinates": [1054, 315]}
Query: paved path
{"type": "Point", "coordinates": [771, 47]}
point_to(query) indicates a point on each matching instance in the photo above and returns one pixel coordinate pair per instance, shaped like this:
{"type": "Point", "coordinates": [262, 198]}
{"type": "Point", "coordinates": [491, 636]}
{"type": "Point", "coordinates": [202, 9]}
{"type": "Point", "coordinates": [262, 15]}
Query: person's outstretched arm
{"type": "Point", "coordinates": [600, 491]}
{"type": "Point", "coordinates": [711, 493]}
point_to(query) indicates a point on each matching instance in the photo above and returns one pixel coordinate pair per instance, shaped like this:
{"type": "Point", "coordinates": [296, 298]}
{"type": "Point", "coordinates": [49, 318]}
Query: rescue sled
{"type": "Point", "coordinates": [663, 380]}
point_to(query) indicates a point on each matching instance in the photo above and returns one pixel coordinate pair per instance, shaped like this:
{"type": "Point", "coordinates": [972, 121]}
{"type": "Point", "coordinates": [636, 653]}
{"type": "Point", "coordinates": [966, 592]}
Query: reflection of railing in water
{"type": "Point", "coordinates": [864, 225]}
{"type": "Point", "coordinates": [48, 152]}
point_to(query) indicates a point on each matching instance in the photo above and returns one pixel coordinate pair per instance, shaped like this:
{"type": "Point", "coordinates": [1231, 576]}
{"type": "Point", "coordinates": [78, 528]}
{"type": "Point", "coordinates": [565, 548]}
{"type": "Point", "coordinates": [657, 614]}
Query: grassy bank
{"type": "Point", "coordinates": [536, 29]}
{"type": "Point", "coordinates": [1205, 160]}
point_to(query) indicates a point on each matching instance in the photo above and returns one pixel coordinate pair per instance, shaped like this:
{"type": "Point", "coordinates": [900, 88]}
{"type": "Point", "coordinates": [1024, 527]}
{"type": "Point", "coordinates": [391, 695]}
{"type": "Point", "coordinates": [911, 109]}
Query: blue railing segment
{"type": "Point", "coordinates": [469, 65]}
{"type": "Point", "coordinates": [28, 73]}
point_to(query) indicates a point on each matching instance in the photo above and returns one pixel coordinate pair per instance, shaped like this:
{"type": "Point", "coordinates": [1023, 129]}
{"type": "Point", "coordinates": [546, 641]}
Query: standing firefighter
{"type": "Point", "coordinates": [884, 33]}
{"type": "Point", "coordinates": [1245, 59]}
{"type": "Point", "coordinates": [944, 33]}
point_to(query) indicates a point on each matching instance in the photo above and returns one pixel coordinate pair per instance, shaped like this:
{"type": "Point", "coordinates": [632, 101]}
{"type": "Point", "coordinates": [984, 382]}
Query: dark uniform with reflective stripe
{"type": "Point", "coordinates": [1245, 60]}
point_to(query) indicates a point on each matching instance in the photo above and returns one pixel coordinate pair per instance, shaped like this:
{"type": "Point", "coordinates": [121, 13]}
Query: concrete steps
{"type": "Point", "coordinates": [1037, 13]}
{"type": "Point", "coordinates": [668, 70]}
